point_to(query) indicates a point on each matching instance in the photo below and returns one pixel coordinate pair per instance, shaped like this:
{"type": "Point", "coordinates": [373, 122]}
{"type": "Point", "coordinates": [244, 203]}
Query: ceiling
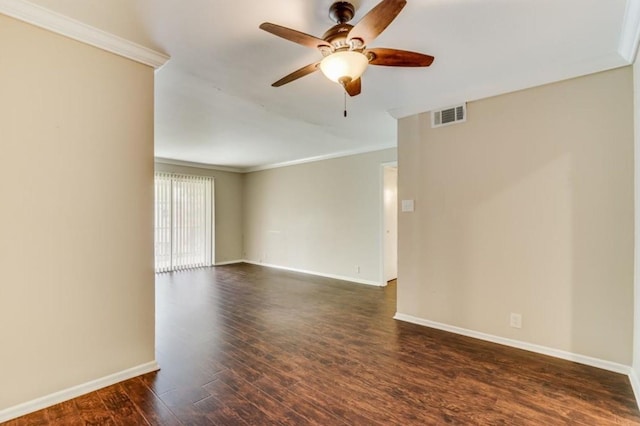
{"type": "Point", "coordinates": [214, 100]}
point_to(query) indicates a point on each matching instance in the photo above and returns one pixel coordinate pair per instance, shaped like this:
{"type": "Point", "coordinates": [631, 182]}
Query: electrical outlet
{"type": "Point", "coordinates": [515, 320]}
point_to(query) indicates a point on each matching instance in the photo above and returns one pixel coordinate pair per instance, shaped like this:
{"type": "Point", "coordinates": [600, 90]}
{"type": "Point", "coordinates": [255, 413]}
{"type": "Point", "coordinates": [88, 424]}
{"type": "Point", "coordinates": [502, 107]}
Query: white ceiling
{"type": "Point", "coordinates": [214, 100]}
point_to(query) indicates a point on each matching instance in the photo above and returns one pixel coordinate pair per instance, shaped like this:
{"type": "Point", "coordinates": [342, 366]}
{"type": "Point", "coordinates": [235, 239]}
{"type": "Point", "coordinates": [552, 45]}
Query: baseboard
{"type": "Point", "coordinates": [75, 391]}
{"type": "Point", "coordinates": [319, 274]}
{"type": "Point", "coordinates": [228, 262]}
{"type": "Point", "coordinates": [635, 385]}
{"type": "Point", "coordinates": [556, 353]}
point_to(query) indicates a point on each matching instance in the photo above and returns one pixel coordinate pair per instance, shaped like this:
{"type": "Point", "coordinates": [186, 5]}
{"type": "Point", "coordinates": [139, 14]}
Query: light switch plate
{"type": "Point", "coordinates": [407, 205]}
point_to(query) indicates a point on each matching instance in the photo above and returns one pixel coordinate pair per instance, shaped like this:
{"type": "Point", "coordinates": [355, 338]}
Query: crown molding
{"type": "Point", "coordinates": [69, 27]}
{"type": "Point", "coordinates": [329, 156]}
{"type": "Point", "coordinates": [630, 33]}
{"type": "Point", "coordinates": [173, 162]}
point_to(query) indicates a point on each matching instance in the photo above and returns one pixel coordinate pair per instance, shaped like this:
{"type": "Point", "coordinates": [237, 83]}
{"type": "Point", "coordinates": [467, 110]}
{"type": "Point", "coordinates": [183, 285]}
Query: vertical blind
{"type": "Point", "coordinates": [183, 221]}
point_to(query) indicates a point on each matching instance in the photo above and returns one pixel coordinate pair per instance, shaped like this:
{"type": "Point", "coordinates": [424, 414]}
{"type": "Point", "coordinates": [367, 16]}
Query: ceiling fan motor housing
{"type": "Point", "coordinates": [337, 35]}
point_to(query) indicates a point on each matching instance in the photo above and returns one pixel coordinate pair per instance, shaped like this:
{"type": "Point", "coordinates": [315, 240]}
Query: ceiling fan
{"type": "Point", "coordinates": [344, 46]}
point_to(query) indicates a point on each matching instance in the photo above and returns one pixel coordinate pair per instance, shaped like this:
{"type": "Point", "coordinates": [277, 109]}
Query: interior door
{"type": "Point", "coordinates": [390, 223]}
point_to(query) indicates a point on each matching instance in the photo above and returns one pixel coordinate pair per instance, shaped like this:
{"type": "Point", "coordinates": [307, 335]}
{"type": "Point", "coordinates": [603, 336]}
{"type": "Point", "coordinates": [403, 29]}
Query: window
{"type": "Point", "coordinates": [183, 222]}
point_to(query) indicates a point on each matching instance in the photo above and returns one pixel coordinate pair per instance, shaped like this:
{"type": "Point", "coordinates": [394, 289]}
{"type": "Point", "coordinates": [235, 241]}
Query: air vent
{"type": "Point", "coordinates": [451, 115]}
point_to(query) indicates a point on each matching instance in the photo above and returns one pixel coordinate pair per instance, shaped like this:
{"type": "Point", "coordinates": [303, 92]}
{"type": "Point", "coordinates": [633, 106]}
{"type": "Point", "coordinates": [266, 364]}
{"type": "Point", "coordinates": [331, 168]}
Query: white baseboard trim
{"type": "Point", "coordinates": [635, 385]}
{"type": "Point", "coordinates": [319, 274]}
{"type": "Point", "coordinates": [229, 262]}
{"type": "Point", "coordinates": [75, 391]}
{"type": "Point", "coordinates": [556, 353]}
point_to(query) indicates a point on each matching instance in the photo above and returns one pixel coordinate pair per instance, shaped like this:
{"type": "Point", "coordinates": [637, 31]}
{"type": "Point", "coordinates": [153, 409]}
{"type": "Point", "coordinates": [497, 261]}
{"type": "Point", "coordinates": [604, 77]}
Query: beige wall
{"type": "Point", "coordinates": [76, 237]}
{"type": "Point", "coordinates": [636, 327]}
{"type": "Point", "coordinates": [526, 208]}
{"type": "Point", "coordinates": [228, 188]}
{"type": "Point", "coordinates": [323, 217]}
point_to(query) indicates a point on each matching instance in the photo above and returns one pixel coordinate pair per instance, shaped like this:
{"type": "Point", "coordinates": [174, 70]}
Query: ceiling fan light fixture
{"type": "Point", "coordinates": [345, 66]}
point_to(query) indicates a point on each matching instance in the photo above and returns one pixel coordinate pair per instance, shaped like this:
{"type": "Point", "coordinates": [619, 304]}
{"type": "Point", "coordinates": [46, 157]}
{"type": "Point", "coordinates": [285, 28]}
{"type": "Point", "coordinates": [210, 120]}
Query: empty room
{"type": "Point", "coordinates": [363, 212]}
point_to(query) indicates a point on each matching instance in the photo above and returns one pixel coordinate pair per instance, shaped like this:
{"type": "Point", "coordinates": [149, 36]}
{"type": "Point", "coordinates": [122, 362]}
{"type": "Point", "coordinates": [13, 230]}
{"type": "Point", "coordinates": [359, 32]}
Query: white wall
{"type": "Point", "coordinates": [526, 208]}
{"type": "Point", "coordinates": [228, 208]}
{"type": "Point", "coordinates": [324, 217]}
{"type": "Point", "coordinates": [76, 233]}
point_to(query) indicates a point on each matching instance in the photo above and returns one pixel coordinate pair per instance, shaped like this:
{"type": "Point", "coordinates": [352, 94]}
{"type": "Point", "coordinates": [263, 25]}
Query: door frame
{"type": "Point", "coordinates": [383, 281]}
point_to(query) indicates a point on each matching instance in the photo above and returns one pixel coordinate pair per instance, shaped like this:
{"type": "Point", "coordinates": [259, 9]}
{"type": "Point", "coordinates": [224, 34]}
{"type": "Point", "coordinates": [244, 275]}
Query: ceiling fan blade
{"type": "Point", "coordinates": [293, 35]}
{"type": "Point", "coordinates": [306, 70]}
{"type": "Point", "coordinates": [397, 58]}
{"type": "Point", "coordinates": [354, 87]}
{"type": "Point", "coordinates": [378, 18]}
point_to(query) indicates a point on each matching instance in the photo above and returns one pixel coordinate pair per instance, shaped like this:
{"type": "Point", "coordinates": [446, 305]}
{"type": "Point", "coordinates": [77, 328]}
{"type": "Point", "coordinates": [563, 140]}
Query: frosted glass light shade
{"type": "Point", "coordinates": [347, 65]}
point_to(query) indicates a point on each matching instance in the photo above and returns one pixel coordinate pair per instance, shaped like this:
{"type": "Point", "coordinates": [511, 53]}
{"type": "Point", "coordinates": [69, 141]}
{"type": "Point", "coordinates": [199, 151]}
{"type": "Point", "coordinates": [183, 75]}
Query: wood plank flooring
{"type": "Point", "coordinates": [246, 345]}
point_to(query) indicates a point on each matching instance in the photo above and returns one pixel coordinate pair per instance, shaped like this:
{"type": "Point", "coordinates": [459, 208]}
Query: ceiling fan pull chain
{"type": "Point", "coordinates": [345, 104]}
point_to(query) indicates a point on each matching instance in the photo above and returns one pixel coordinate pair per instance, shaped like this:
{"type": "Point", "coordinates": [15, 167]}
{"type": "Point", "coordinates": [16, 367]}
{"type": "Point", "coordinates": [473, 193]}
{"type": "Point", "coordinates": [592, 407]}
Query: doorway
{"type": "Point", "coordinates": [390, 221]}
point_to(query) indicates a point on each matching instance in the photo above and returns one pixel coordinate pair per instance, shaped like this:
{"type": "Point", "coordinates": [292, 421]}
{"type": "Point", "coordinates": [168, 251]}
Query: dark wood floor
{"type": "Point", "coordinates": [243, 344]}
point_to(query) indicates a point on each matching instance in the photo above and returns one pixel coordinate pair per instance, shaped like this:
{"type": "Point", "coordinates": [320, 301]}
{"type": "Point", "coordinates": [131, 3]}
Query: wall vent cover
{"type": "Point", "coordinates": [451, 115]}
